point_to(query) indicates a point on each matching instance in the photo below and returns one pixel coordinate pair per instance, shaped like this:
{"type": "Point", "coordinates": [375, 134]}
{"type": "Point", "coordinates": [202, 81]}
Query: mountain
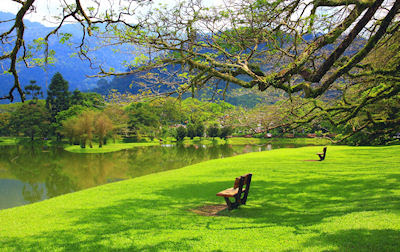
{"type": "Point", "coordinates": [73, 69]}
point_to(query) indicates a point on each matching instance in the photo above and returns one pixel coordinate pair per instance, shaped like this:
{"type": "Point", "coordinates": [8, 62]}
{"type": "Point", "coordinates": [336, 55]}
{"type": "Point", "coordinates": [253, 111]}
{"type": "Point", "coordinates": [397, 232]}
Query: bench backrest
{"type": "Point", "coordinates": [324, 151]}
{"type": "Point", "coordinates": [243, 180]}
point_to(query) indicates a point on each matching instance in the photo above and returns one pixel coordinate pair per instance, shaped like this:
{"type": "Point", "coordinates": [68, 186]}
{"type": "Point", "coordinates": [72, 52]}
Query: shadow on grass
{"type": "Point", "coordinates": [304, 202]}
{"type": "Point", "coordinates": [359, 240]}
{"type": "Point", "coordinates": [295, 204]}
{"type": "Point", "coordinates": [110, 227]}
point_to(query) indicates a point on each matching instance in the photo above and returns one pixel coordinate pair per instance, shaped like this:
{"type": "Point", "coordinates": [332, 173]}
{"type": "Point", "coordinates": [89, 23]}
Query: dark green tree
{"type": "Point", "coordinates": [143, 119]}
{"type": "Point", "coordinates": [5, 124]}
{"type": "Point", "coordinates": [225, 132]}
{"type": "Point", "coordinates": [191, 131]}
{"type": "Point", "coordinates": [200, 130]}
{"type": "Point", "coordinates": [90, 100]}
{"type": "Point", "coordinates": [58, 96]}
{"type": "Point", "coordinates": [181, 133]}
{"type": "Point", "coordinates": [31, 119]}
{"type": "Point", "coordinates": [213, 131]}
{"type": "Point", "coordinates": [34, 90]}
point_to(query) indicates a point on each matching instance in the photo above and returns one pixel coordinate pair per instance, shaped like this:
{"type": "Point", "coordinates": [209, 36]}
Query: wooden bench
{"type": "Point", "coordinates": [237, 191]}
{"type": "Point", "coordinates": [322, 155]}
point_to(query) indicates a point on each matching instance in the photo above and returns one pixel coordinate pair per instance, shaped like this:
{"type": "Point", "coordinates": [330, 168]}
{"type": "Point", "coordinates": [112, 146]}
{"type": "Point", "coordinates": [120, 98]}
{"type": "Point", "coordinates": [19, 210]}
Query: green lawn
{"type": "Point", "coordinates": [349, 202]}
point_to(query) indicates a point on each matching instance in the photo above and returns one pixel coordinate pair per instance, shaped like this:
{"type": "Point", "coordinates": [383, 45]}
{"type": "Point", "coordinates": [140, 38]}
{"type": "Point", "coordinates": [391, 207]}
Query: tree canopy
{"type": "Point", "coordinates": [320, 53]}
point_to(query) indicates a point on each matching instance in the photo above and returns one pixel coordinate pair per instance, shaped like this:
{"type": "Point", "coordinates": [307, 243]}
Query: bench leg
{"type": "Point", "coordinates": [231, 205]}
{"type": "Point", "coordinates": [228, 203]}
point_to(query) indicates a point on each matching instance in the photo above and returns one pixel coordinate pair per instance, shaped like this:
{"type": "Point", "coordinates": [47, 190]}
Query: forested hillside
{"type": "Point", "coordinates": [69, 65]}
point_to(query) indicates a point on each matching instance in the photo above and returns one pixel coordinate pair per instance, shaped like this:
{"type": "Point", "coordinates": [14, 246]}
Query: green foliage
{"type": "Point", "coordinates": [31, 119]}
{"type": "Point", "coordinates": [89, 100]}
{"type": "Point", "coordinates": [5, 129]}
{"type": "Point", "coordinates": [197, 111]}
{"type": "Point", "coordinates": [72, 111]}
{"type": "Point", "coordinates": [58, 96]}
{"type": "Point", "coordinates": [213, 131]}
{"type": "Point", "coordinates": [181, 133]}
{"type": "Point", "coordinates": [225, 132]}
{"type": "Point", "coordinates": [143, 119]}
{"type": "Point", "coordinates": [102, 127]}
{"type": "Point", "coordinates": [34, 90]}
{"type": "Point", "coordinates": [200, 130]}
{"type": "Point", "coordinates": [191, 131]}
{"type": "Point", "coordinates": [85, 125]}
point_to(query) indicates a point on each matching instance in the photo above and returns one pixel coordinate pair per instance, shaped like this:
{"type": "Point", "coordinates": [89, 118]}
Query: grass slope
{"type": "Point", "coordinates": [349, 202]}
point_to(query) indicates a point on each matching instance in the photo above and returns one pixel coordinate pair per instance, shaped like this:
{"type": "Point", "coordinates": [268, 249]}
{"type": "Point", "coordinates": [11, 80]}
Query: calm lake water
{"type": "Point", "coordinates": [30, 174]}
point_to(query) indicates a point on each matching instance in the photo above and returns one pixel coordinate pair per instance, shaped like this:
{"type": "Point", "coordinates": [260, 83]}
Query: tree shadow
{"type": "Point", "coordinates": [298, 203]}
{"type": "Point", "coordinates": [305, 202]}
{"type": "Point", "coordinates": [96, 228]}
{"type": "Point", "coordinates": [359, 240]}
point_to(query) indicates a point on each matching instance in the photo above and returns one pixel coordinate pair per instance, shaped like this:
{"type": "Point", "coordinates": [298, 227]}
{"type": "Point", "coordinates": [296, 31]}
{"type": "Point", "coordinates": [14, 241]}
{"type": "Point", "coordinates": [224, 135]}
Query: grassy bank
{"type": "Point", "coordinates": [252, 140]}
{"type": "Point", "coordinates": [111, 147]}
{"type": "Point", "coordinates": [107, 148]}
{"type": "Point", "coordinates": [297, 141]}
{"type": "Point", "coordinates": [349, 202]}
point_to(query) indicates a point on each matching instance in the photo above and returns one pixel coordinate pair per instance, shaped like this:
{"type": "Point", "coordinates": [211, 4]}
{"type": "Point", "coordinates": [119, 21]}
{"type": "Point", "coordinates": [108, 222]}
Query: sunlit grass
{"type": "Point", "coordinates": [349, 202]}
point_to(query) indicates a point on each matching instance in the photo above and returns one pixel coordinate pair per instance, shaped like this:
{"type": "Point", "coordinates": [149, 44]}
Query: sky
{"type": "Point", "coordinates": [46, 9]}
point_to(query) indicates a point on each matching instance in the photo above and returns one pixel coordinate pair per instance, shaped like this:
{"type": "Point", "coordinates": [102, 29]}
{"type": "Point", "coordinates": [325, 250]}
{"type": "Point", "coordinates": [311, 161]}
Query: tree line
{"type": "Point", "coordinates": [83, 118]}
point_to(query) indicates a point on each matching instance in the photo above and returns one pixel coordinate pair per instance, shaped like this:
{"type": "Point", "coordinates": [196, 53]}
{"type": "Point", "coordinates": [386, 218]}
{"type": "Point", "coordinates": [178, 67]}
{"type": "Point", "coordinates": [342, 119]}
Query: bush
{"type": "Point", "coordinates": [213, 131]}
{"type": "Point", "coordinates": [200, 130]}
{"type": "Point", "coordinates": [191, 131]}
{"type": "Point", "coordinates": [225, 132]}
{"type": "Point", "coordinates": [180, 134]}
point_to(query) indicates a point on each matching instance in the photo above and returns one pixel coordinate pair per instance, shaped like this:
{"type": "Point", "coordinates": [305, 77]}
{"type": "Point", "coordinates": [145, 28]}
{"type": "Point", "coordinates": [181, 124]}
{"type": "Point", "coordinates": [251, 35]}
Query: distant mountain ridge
{"type": "Point", "coordinates": [74, 70]}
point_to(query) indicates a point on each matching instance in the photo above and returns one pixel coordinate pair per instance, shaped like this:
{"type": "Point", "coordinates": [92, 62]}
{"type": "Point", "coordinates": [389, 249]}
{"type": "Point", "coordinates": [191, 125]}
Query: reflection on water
{"type": "Point", "coordinates": [29, 174]}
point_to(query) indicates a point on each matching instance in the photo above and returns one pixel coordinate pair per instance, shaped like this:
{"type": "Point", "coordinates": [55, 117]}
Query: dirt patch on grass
{"type": "Point", "coordinates": [209, 210]}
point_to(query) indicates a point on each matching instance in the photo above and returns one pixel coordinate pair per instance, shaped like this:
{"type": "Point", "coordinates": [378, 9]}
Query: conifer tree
{"type": "Point", "coordinates": [58, 95]}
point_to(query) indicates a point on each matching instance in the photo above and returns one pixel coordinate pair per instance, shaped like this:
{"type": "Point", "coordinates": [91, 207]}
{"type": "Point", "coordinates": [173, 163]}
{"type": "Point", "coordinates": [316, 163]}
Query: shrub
{"type": "Point", "coordinates": [191, 131]}
{"type": "Point", "coordinates": [225, 132]}
{"type": "Point", "coordinates": [180, 133]}
{"type": "Point", "coordinates": [200, 130]}
{"type": "Point", "coordinates": [213, 131]}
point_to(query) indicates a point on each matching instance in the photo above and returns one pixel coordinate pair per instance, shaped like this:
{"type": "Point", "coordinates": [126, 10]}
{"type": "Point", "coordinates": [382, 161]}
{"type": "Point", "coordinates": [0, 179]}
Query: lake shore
{"type": "Point", "coordinates": [349, 201]}
{"type": "Point", "coordinates": [111, 147]}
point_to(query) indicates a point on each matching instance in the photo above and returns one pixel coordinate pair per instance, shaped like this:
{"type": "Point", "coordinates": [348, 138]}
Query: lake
{"type": "Point", "coordinates": [29, 174]}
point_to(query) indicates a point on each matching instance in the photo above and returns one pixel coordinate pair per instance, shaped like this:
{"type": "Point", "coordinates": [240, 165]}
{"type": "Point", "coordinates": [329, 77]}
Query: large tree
{"type": "Point", "coordinates": [311, 50]}
{"type": "Point", "coordinates": [320, 53]}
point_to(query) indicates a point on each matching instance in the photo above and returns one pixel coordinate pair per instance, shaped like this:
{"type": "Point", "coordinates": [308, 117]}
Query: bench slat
{"type": "Point", "coordinates": [230, 192]}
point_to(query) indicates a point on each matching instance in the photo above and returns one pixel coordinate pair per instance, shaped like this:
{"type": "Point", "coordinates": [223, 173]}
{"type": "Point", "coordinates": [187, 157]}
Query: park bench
{"type": "Point", "coordinates": [322, 155]}
{"type": "Point", "coordinates": [237, 191]}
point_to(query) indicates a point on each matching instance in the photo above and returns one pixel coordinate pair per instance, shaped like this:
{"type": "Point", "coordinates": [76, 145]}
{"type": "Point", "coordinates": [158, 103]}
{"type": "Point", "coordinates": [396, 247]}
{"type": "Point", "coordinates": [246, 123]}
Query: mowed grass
{"type": "Point", "coordinates": [349, 202]}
